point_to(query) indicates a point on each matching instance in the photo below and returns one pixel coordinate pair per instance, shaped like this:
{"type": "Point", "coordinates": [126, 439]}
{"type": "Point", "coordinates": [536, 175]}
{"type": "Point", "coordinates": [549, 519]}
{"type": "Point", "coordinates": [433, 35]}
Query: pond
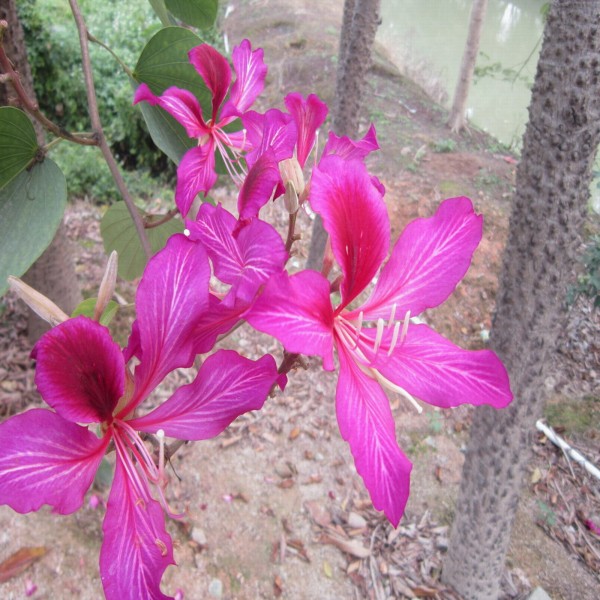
{"type": "Point", "coordinates": [426, 40]}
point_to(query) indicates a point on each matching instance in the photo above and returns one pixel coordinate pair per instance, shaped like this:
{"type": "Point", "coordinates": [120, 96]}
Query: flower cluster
{"type": "Point", "coordinates": [96, 391]}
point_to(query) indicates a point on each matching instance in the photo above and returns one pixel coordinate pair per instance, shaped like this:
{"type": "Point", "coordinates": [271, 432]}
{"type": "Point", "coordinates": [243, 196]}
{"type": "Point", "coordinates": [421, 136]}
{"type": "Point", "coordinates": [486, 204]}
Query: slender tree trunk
{"type": "Point", "coordinates": [360, 22]}
{"type": "Point", "coordinates": [549, 210]}
{"type": "Point", "coordinates": [53, 274]}
{"type": "Point", "coordinates": [458, 119]}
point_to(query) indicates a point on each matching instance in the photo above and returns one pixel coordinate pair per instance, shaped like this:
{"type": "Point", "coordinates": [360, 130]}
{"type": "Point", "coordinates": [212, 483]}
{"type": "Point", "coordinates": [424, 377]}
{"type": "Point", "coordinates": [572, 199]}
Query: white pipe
{"type": "Point", "coordinates": [574, 454]}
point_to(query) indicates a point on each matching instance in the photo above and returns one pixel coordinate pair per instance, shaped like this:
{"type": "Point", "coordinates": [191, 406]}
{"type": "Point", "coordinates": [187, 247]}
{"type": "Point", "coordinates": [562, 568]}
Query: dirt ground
{"type": "Point", "coordinates": [274, 508]}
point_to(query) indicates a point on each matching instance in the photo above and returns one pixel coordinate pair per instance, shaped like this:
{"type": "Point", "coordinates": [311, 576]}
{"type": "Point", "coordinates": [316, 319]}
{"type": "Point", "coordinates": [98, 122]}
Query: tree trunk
{"type": "Point", "coordinates": [360, 22]}
{"type": "Point", "coordinates": [458, 119]}
{"type": "Point", "coordinates": [550, 206]}
{"type": "Point", "coordinates": [53, 274]}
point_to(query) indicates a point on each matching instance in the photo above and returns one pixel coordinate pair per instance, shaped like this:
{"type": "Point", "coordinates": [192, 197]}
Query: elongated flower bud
{"type": "Point", "coordinates": [38, 303]}
{"type": "Point", "coordinates": [107, 287]}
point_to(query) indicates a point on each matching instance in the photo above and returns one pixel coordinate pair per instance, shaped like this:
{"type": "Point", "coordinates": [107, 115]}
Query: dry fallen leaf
{"type": "Point", "coordinates": [327, 569]}
{"type": "Point", "coordinates": [352, 547]}
{"type": "Point", "coordinates": [22, 559]}
{"type": "Point", "coordinates": [294, 433]}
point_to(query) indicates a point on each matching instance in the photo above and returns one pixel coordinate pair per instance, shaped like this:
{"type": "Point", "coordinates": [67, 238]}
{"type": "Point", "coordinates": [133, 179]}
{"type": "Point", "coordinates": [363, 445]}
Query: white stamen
{"type": "Point", "coordinates": [394, 338]}
{"type": "Point", "coordinates": [396, 388]}
{"type": "Point", "coordinates": [358, 327]}
{"type": "Point", "coordinates": [380, 326]}
{"type": "Point", "coordinates": [405, 325]}
{"type": "Point", "coordinates": [392, 315]}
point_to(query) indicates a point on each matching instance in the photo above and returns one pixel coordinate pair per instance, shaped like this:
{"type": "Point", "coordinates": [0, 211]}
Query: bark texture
{"type": "Point", "coordinates": [53, 274]}
{"type": "Point", "coordinates": [458, 117]}
{"type": "Point", "coordinates": [549, 209]}
{"type": "Point", "coordinates": [359, 26]}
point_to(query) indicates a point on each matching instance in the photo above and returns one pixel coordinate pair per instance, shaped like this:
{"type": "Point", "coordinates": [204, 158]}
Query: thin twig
{"type": "Point", "coordinates": [32, 107]}
{"type": "Point", "coordinates": [97, 128]}
{"type": "Point", "coordinates": [164, 218]}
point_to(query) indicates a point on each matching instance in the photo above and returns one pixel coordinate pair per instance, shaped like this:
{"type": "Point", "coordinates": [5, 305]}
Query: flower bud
{"type": "Point", "coordinates": [38, 303]}
{"type": "Point", "coordinates": [290, 198]}
{"type": "Point", "coordinates": [107, 287]}
{"type": "Point", "coordinates": [291, 171]}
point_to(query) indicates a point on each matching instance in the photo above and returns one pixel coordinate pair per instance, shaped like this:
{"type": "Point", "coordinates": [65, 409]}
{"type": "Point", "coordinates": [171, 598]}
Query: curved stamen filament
{"type": "Point", "coordinates": [392, 315]}
{"type": "Point", "coordinates": [379, 335]}
{"type": "Point", "coordinates": [392, 386]}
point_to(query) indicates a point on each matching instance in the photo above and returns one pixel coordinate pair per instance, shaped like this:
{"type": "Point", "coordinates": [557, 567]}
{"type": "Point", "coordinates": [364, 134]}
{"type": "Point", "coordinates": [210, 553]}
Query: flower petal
{"type": "Point", "coordinates": [355, 216]}
{"type": "Point", "coordinates": [170, 300]}
{"type": "Point", "coordinates": [297, 311]}
{"type": "Point", "coordinates": [251, 71]}
{"type": "Point", "coordinates": [433, 369]}
{"type": "Point", "coordinates": [366, 423]}
{"type": "Point", "coordinates": [429, 259]}
{"type": "Point", "coordinates": [226, 386]}
{"type": "Point", "coordinates": [308, 115]}
{"type": "Point", "coordinates": [259, 185]}
{"type": "Point", "coordinates": [195, 173]}
{"type": "Point", "coordinates": [245, 261]}
{"type": "Point", "coordinates": [136, 549]}
{"type": "Point", "coordinates": [274, 129]}
{"type": "Point", "coordinates": [45, 459]}
{"type": "Point", "coordinates": [214, 70]}
{"type": "Point", "coordinates": [346, 148]}
{"type": "Point", "coordinates": [180, 104]}
{"type": "Point", "coordinates": [80, 370]}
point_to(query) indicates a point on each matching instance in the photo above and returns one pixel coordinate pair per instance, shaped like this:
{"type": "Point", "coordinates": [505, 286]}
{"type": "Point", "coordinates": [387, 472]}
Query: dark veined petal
{"type": "Point", "coordinates": [136, 549]}
{"type": "Point", "coordinates": [429, 259]}
{"type": "Point", "coordinates": [250, 72]}
{"type": "Point", "coordinates": [245, 260]}
{"type": "Point", "coordinates": [226, 386]}
{"type": "Point", "coordinates": [214, 70]}
{"type": "Point", "coordinates": [260, 183]}
{"type": "Point", "coordinates": [366, 423]}
{"type": "Point", "coordinates": [433, 369]}
{"type": "Point", "coordinates": [45, 459]}
{"type": "Point", "coordinates": [297, 311]}
{"type": "Point", "coordinates": [308, 115]}
{"type": "Point", "coordinates": [355, 217]}
{"type": "Point", "coordinates": [170, 299]}
{"type": "Point", "coordinates": [180, 104]}
{"type": "Point", "coordinates": [349, 149]}
{"type": "Point", "coordinates": [195, 173]}
{"type": "Point", "coordinates": [80, 371]}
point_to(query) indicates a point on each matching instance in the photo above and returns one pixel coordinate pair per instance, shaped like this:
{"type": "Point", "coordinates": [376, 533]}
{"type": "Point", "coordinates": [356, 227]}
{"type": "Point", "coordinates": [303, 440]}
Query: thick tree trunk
{"type": "Point", "coordinates": [458, 118]}
{"type": "Point", "coordinates": [549, 209]}
{"type": "Point", "coordinates": [360, 22]}
{"type": "Point", "coordinates": [53, 274]}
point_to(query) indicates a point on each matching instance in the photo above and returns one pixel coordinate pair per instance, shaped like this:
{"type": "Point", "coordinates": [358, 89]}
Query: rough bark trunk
{"type": "Point", "coordinates": [549, 210]}
{"type": "Point", "coordinates": [458, 118]}
{"type": "Point", "coordinates": [360, 22]}
{"type": "Point", "coordinates": [53, 274]}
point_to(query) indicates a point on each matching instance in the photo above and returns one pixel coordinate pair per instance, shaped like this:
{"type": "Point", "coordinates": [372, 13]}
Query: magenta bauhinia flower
{"type": "Point", "coordinates": [378, 347]}
{"type": "Point", "coordinates": [51, 456]}
{"type": "Point", "coordinates": [196, 171]}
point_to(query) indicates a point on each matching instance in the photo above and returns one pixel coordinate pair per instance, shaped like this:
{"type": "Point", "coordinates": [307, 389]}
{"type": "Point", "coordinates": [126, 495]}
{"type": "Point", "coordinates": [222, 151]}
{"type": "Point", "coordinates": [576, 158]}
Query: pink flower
{"type": "Point", "coordinates": [196, 171]}
{"type": "Point", "coordinates": [377, 346]}
{"type": "Point", "coordinates": [51, 456]}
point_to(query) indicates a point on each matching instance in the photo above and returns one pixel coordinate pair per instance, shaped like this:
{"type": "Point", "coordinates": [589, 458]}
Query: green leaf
{"type": "Point", "coordinates": [158, 6]}
{"type": "Point", "coordinates": [118, 233]}
{"type": "Point", "coordinates": [18, 143]}
{"type": "Point", "coordinates": [199, 13]}
{"type": "Point", "coordinates": [88, 306]}
{"type": "Point", "coordinates": [162, 64]}
{"type": "Point", "coordinates": [31, 209]}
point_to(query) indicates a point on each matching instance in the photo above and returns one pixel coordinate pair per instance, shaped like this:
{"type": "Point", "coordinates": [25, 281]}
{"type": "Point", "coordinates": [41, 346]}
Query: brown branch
{"type": "Point", "coordinates": [99, 132]}
{"type": "Point", "coordinates": [164, 219]}
{"type": "Point", "coordinates": [32, 107]}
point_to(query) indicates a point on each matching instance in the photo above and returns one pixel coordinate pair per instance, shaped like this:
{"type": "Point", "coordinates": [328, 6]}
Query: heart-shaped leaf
{"type": "Point", "coordinates": [199, 13]}
{"type": "Point", "coordinates": [31, 209]}
{"type": "Point", "coordinates": [18, 144]}
{"type": "Point", "coordinates": [119, 233]}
